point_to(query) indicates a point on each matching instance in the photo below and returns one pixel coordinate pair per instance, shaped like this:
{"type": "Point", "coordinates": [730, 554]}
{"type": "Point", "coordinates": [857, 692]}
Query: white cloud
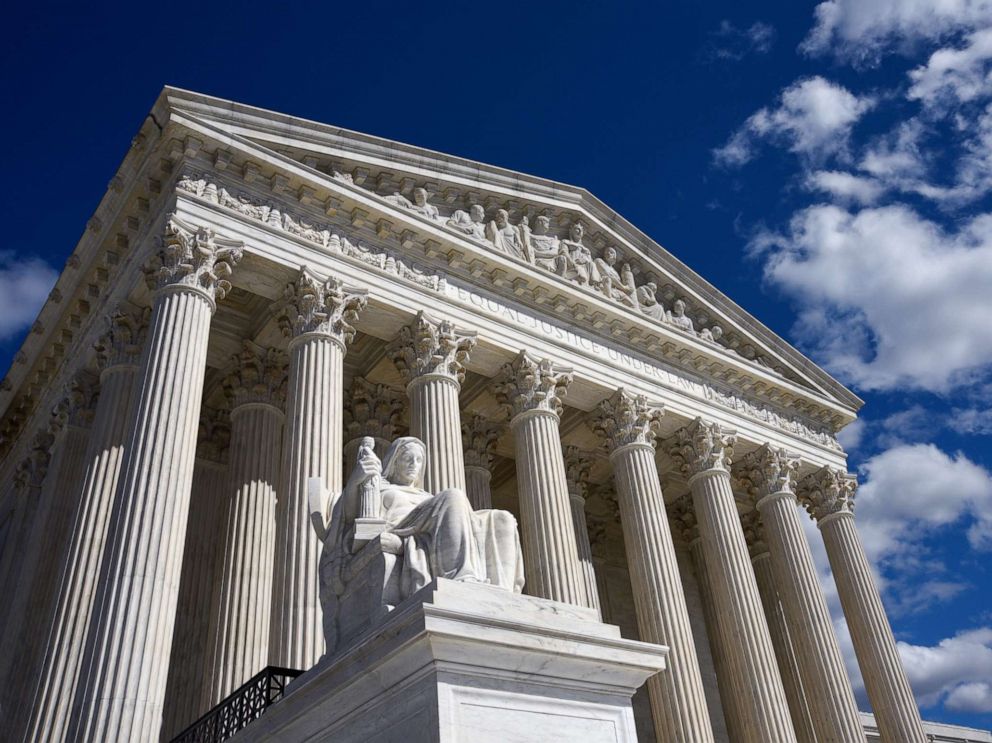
{"type": "Point", "coordinates": [887, 299]}
{"type": "Point", "coordinates": [968, 421]}
{"type": "Point", "coordinates": [938, 672]}
{"type": "Point", "coordinates": [813, 118]}
{"type": "Point", "coordinates": [24, 286]}
{"type": "Point", "coordinates": [733, 44]}
{"type": "Point", "coordinates": [845, 187]}
{"type": "Point", "coordinates": [975, 697]}
{"type": "Point", "coordinates": [851, 435]}
{"type": "Point", "coordinates": [955, 74]}
{"type": "Point", "coordinates": [861, 31]}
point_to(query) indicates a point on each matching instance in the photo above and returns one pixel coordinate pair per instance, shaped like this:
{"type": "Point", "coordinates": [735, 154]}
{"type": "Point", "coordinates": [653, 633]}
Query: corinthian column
{"type": "Point", "coordinates": [479, 439]}
{"type": "Point", "coordinates": [136, 597]}
{"type": "Point", "coordinates": [702, 450]}
{"type": "Point", "coordinates": [678, 702]}
{"type": "Point", "coordinates": [577, 466]}
{"type": "Point", "coordinates": [828, 495]}
{"type": "Point", "coordinates": [117, 355]}
{"type": "Point", "coordinates": [371, 410]}
{"type": "Point", "coordinates": [778, 629]}
{"type": "Point", "coordinates": [316, 316]}
{"type": "Point", "coordinates": [769, 475]}
{"type": "Point", "coordinates": [431, 356]}
{"type": "Point", "coordinates": [255, 390]}
{"type": "Point", "coordinates": [531, 392]}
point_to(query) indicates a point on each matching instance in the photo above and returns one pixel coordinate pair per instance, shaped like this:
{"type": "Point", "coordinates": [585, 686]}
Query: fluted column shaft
{"type": "Point", "coordinates": [139, 582]}
{"type": "Point", "coordinates": [896, 713]}
{"type": "Point", "coordinates": [189, 663]}
{"type": "Point", "coordinates": [829, 696]}
{"type": "Point", "coordinates": [312, 448]}
{"type": "Point", "coordinates": [246, 582]}
{"type": "Point", "coordinates": [764, 710]}
{"type": "Point", "coordinates": [578, 505]}
{"type": "Point", "coordinates": [678, 702]}
{"type": "Point", "coordinates": [551, 557]}
{"type": "Point", "coordinates": [435, 419]}
{"type": "Point", "coordinates": [785, 652]}
{"type": "Point", "coordinates": [60, 665]}
{"type": "Point", "coordinates": [478, 487]}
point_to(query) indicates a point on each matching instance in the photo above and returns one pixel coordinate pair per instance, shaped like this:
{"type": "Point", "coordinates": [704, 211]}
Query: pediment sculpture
{"type": "Point", "coordinates": [385, 537]}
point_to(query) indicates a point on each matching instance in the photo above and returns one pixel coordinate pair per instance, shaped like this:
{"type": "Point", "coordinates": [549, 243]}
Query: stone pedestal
{"type": "Point", "coordinates": [469, 663]}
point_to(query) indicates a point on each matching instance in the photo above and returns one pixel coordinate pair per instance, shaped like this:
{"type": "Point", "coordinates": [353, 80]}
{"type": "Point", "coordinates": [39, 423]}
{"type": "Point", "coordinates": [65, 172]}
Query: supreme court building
{"type": "Point", "coordinates": [256, 294]}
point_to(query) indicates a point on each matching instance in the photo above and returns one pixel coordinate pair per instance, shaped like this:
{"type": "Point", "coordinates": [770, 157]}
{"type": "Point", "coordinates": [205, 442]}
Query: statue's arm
{"type": "Point", "coordinates": [316, 501]}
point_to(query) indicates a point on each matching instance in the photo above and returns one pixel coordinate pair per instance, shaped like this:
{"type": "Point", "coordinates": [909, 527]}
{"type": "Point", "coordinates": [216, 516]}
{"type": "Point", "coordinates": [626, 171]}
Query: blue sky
{"type": "Point", "coordinates": [827, 165]}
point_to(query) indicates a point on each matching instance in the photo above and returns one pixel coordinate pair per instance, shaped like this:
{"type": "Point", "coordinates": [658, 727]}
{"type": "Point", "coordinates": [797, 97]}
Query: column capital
{"type": "Point", "coordinates": [311, 305]}
{"type": "Point", "coordinates": [257, 375]}
{"type": "Point", "coordinates": [766, 471]}
{"type": "Point", "coordinates": [682, 518]}
{"type": "Point", "coordinates": [78, 406]}
{"type": "Point", "coordinates": [30, 472]}
{"type": "Point", "coordinates": [578, 463]}
{"type": "Point", "coordinates": [124, 339]}
{"type": "Point", "coordinates": [526, 384]}
{"type": "Point", "coordinates": [193, 258]}
{"type": "Point", "coordinates": [702, 446]}
{"type": "Point", "coordinates": [429, 347]}
{"type": "Point", "coordinates": [479, 437]}
{"type": "Point", "coordinates": [828, 492]}
{"type": "Point", "coordinates": [754, 533]}
{"type": "Point", "coordinates": [374, 410]}
{"type": "Point", "coordinates": [214, 434]}
{"type": "Point", "coordinates": [626, 419]}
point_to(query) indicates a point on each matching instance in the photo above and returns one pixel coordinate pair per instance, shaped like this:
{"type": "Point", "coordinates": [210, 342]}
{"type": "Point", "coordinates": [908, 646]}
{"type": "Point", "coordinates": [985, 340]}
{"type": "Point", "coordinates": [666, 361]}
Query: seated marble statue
{"type": "Point", "coordinates": [647, 302]}
{"type": "Point", "coordinates": [504, 236]}
{"type": "Point", "coordinates": [681, 320]}
{"type": "Point", "coordinates": [472, 222]}
{"type": "Point", "coordinates": [617, 285]}
{"type": "Point", "coordinates": [441, 536]}
{"type": "Point", "coordinates": [580, 267]}
{"type": "Point", "coordinates": [419, 204]}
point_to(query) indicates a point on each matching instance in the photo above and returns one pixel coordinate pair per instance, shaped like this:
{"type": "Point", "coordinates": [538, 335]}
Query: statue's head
{"type": "Point", "coordinates": [420, 196]}
{"type": "Point", "coordinates": [404, 462]}
{"type": "Point", "coordinates": [502, 218]}
{"type": "Point", "coordinates": [679, 307]}
{"type": "Point", "coordinates": [576, 232]}
{"type": "Point", "coordinates": [477, 213]}
{"type": "Point", "coordinates": [543, 224]}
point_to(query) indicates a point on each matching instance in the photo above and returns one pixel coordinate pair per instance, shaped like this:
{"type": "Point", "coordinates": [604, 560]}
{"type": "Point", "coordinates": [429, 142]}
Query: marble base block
{"type": "Point", "coordinates": [470, 662]}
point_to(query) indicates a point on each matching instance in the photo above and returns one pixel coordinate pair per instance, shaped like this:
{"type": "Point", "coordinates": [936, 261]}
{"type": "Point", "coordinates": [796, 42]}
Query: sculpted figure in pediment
{"type": "Point", "coordinates": [580, 266]}
{"type": "Point", "coordinates": [617, 285]}
{"type": "Point", "coordinates": [712, 335]}
{"type": "Point", "coordinates": [420, 203]}
{"type": "Point", "coordinates": [471, 223]}
{"type": "Point", "coordinates": [548, 251]}
{"type": "Point", "coordinates": [679, 319]}
{"type": "Point", "coordinates": [647, 302]}
{"type": "Point", "coordinates": [504, 236]}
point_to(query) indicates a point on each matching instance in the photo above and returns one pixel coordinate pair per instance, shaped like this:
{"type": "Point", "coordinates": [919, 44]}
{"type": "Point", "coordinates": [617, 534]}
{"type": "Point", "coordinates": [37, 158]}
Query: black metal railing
{"type": "Point", "coordinates": [243, 706]}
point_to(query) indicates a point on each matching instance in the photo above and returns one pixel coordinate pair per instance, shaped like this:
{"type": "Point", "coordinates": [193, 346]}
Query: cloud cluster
{"type": "Point", "coordinates": [24, 286]}
{"type": "Point", "coordinates": [730, 43]}
{"type": "Point", "coordinates": [813, 118]}
{"type": "Point", "coordinates": [956, 671]}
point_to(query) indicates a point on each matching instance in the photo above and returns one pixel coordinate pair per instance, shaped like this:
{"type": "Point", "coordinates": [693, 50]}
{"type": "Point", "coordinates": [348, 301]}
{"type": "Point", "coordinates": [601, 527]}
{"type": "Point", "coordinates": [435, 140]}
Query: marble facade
{"type": "Point", "coordinates": [258, 300]}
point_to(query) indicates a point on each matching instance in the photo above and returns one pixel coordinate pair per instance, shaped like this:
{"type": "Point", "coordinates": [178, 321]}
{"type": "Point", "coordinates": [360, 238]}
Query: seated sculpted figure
{"type": "Point", "coordinates": [437, 536]}
{"type": "Point", "coordinates": [581, 267]}
{"type": "Point", "coordinates": [647, 301]}
{"type": "Point", "coordinates": [472, 222]}
{"type": "Point", "coordinates": [616, 285]}
{"type": "Point", "coordinates": [504, 236]}
{"type": "Point", "coordinates": [681, 320]}
{"type": "Point", "coordinates": [419, 204]}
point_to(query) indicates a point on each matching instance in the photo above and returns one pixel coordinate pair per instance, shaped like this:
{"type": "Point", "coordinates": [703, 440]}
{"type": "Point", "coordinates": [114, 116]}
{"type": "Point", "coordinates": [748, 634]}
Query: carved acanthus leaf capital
{"type": "Point", "coordinates": [314, 305]}
{"type": "Point", "coordinates": [578, 464]}
{"type": "Point", "coordinates": [702, 446]}
{"type": "Point", "coordinates": [526, 384]}
{"type": "Point", "coordinates": [214, 435]}
{"type": "Point", "coordinates": [479, 436]}
{"type": "Point", "coordinates": [828, 491]}
{"type": "Point", "coordinates": [373, 410]}
{"type": "Point", "coordinates": [78, 406]}
{"type": "Point", "coordinates": [124, 340]}
{"type": "Point", "coordinates": [754, 532]}
{"type": "Point", "coordinates": [765, 471]}
{"type": "Point", "coordinates": [625, 419]}
{"type": "Point", "coordinates": [256, 375]}
{"type": "Point", "coordinates": [31, 471]}
{"type": "Point", "coordinates": [194, 257]}
{"type": "Point", "coordinates": [682, 518]}
{"type": "Point", "coordinates": [429, 346]}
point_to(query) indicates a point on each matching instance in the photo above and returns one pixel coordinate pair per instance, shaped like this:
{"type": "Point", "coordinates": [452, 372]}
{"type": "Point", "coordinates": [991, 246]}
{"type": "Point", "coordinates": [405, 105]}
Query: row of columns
{"type": "Point", "coordinates": [113, 632]}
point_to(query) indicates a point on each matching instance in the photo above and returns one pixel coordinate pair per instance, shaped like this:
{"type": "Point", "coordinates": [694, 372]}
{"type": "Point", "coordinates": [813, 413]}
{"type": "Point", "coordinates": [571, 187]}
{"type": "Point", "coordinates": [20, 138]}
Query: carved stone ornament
{"type": "Point", "coordinates": [578, 463]}
{"type": "Point", "coordinates": [31, 471]}
{"type": "Point", "coordinates": [78, 406]}
{"type": "Point", "coordinates": [479, 436]}
{"type": "Point", "coordinates": [626, 419]}
{"type": "Point", "coordinates": [257, 375]}
{"type": "Point", "coordinates": [526, 384]}
{"type": "Point", "coordinates": [429, 346]}
{"type": "Point", "coordinates": [214, 436]}
{"type": "Point", "coordinates": [766, 471]}
{"type": "Point", "coordinates": [702, 446]}
{"type": "Point", "coordinates": [754, 533]}
{"type": "Point", "coordinates": [194, 257]}
{"type": "Point", "coordinates": [326, 306]}
{"type": "Point", "coordinates": [682, 518]}
{"type": "Point", "coordinates": [373, 410]}
{"type": "Point", "coordinates": [124, 340]}
{"type": "Point", "coordinates": [828, 491]}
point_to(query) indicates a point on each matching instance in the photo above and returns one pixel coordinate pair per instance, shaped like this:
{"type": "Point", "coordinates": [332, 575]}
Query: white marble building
{"type": "Point", "coordinates": [256, 293]}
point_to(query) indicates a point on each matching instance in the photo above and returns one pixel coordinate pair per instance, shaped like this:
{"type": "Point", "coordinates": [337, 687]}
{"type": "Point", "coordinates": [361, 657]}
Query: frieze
{"type": "Point", "coordinates": [722, 396]}
{"type": "Point", "coordinates": [320, 233]}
